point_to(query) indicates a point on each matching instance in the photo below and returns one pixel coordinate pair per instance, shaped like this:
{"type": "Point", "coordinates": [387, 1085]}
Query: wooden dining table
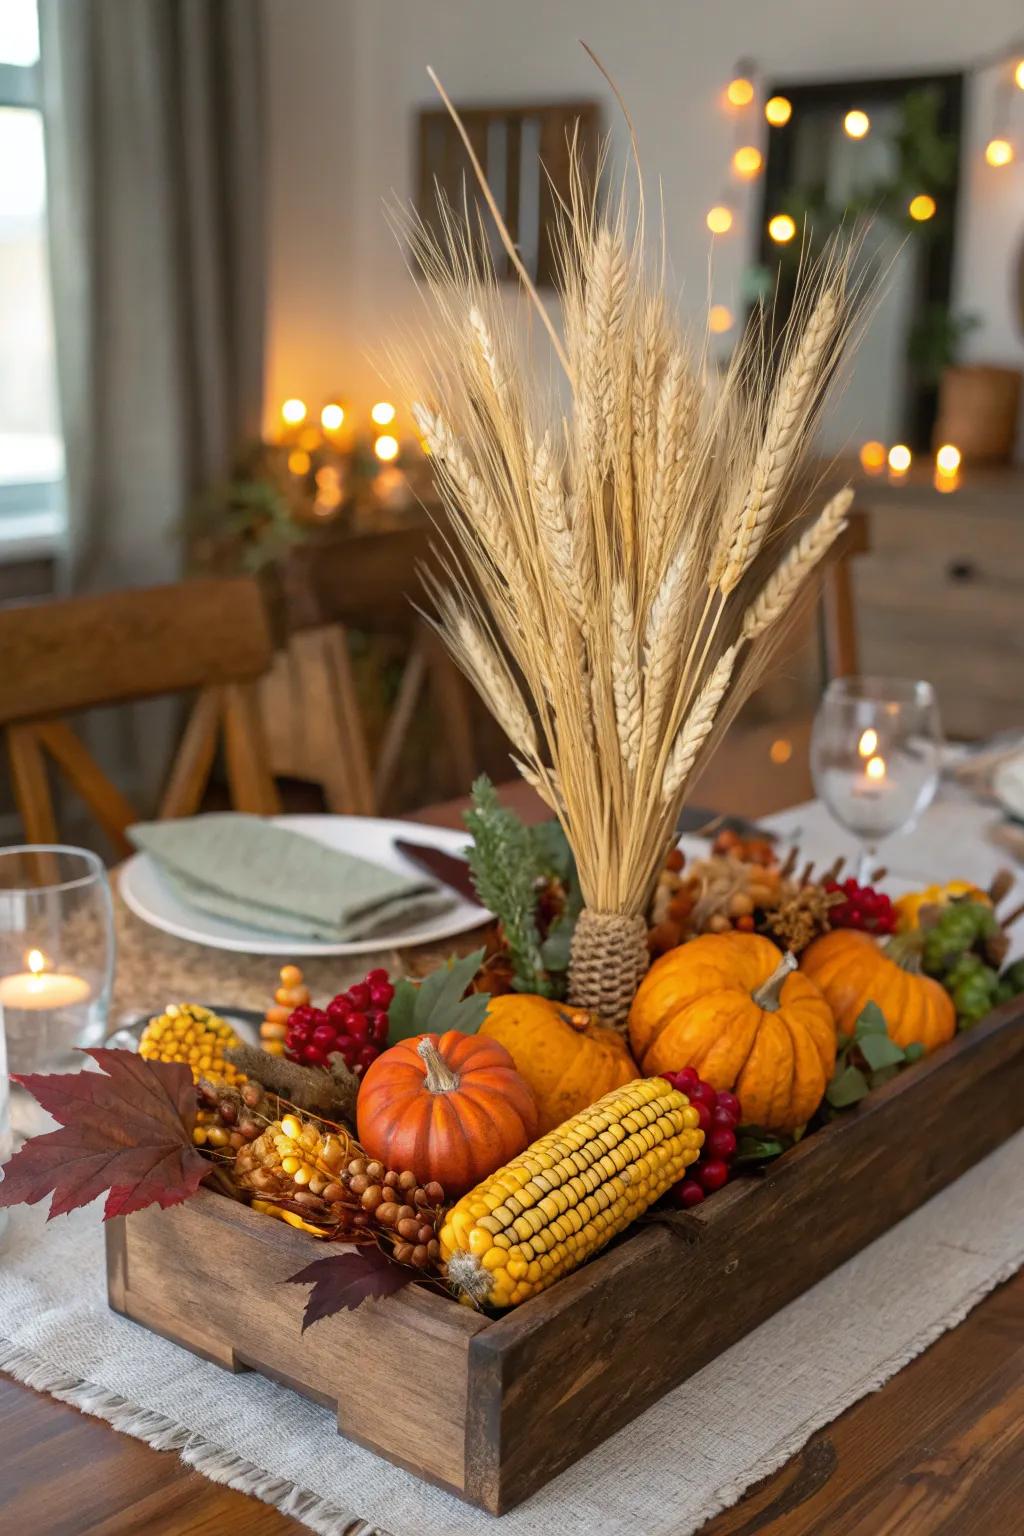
{"type": "Point", "coordinates": [938, 1450]}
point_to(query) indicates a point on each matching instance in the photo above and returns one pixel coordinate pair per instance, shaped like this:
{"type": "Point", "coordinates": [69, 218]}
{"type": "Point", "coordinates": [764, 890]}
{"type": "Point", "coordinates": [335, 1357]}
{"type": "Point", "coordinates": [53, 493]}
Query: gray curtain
{"type": "Point", "coordinates": [154, 121]}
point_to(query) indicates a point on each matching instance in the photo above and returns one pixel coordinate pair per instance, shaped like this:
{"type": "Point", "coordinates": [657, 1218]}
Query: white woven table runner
{"type": "Point", "coordinates": [691, 1455]}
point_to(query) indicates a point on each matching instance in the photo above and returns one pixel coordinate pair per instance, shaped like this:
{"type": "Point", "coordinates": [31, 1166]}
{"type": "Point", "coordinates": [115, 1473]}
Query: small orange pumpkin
{"type": "Point", "coordinates": [568, 1057]}
{"type": "Point", "coordinates": [450, 1107]}
{"type": "Point", "coordinates": [733, 1006]}
{"type": "Point", "coordinates": [851, 970]}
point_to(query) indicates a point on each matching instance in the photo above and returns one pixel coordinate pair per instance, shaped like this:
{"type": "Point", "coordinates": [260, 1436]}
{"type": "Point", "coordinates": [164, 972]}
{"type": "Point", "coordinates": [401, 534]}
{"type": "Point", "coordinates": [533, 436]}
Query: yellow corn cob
{"type": "Point", "coordinates": [569, 1193]}
{"type": "Point", "coordinates": [191, 1033]}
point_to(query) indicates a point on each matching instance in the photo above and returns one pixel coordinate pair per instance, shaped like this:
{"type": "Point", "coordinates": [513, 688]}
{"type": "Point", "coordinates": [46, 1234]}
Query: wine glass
{"type": "Point", "coordinates": [875, 751]}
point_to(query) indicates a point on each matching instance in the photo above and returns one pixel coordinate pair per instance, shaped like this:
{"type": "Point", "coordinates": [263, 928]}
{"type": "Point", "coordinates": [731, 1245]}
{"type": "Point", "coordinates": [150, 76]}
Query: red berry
{"type": "Point", "coordinates": [339, 1008]}
{"type": "Point", "coordinates": [721, 1143]}
{"type": "Point", "coordinates": [704, 1093]}
{"type": "Point", "coordinates": [359, 995]}
{"type": "Point", "coordinates": [381, 994]}
{"type": "Point", "coordinates": [377, 977]}
{"type": "Point", "coordinates": [729, 1101]}
{"type": "Point", "coordinates": [855, 919]}
{"type": "Point", "coordinates": [325, 1036]}
{"type": "Point", "coordinates": [354, 1025]}
{"type": "Point", "coordinates": [712, 1175]}
{"type": "Point", "coordinates": [704, 1115]}
{"type": "Point", "coordinates": [314, 1056]}
{"type": "Point", "coordinates": [723, 1119]}
{"type": "Point", "coordinates": [686, 1079]}
{"type": "Point", "coordinates": [367, 1056]}
{"type": "Point", "coordinates": [358, 1026]}
{"type": "Point", "coordinates": [379, 1027]}
{"type": "Point", "coordinates": [688, 1193]}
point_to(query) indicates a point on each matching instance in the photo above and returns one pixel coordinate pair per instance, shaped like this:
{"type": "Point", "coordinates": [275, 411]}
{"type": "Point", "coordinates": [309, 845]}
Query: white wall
{"type": "Point", "coordinates": [346, 75]}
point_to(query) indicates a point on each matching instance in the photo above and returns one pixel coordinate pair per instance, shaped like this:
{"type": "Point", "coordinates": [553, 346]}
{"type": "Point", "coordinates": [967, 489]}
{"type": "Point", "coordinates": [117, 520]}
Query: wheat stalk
{"type": "Point", "coordinates": [626, 678]}
{"type": "Point", "coordinates": [787, 421]}
{"type": "Point", "coordinates": [695, 730]}
{"type": "Point", "coordinates": [775, 599]}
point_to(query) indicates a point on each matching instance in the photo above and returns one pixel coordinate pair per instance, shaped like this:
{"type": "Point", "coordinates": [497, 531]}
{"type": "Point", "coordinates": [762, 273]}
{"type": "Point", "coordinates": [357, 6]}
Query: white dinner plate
{"type": "Point", "coordinates": [1008, 786]}
{"type": "Point", "coordinates": [148, 895]}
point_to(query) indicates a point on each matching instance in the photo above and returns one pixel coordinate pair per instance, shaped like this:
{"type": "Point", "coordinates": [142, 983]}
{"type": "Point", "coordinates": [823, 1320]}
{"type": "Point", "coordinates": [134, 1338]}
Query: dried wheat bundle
{"type": "Point", "coordinates": [616, 567]}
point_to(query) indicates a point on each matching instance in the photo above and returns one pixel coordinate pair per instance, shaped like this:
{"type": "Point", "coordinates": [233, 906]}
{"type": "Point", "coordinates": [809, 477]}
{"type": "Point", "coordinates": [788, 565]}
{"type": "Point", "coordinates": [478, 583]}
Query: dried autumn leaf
{"type": "Point", "coordinates": [344, 1281]}
{"type": "Point", "coordinates": [129, 1132]}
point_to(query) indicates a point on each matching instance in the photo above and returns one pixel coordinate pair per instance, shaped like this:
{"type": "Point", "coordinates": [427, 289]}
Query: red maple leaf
{"type": "Point", "coordinates": [129, 1132]}
{"type": "Point", "coordinates": [344, 1281]}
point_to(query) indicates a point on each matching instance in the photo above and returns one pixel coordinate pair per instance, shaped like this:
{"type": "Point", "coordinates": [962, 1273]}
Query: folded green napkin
{"type": "Point", "coordinates": [249, 871]}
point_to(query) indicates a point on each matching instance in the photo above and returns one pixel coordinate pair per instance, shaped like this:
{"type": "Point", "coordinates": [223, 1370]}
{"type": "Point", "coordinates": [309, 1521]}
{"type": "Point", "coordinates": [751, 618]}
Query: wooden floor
{"type": "Point", "coordinates": [939, 1451]}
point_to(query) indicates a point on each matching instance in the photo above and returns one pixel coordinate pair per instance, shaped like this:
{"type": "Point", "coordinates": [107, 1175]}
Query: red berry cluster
{"type": "Point", "coordinates": [355, 1023]}
{"type": "Point", "coordinates": [719, 1116]}
{"type": "Point", "coordinates": [863, 908]}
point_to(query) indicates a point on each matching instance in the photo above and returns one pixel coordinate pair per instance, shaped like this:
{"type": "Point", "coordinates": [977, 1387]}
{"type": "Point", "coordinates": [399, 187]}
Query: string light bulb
{"type": "Point", "coordinates": [293, 411]}
{"type": "Point", "coordinates": [900, 458]}
{"type": "Point", "coordinates": [1018, 75]}
{"type": "Point", "coordinates": [383, 413]}
{"type": "Point", "coordinates": [998, 152]}
{"type": "Point", "coordinates": [872, 457]}
{"type": "Point", "coordinates": [331, 417]}
{"type": "Point", "coordinates": [921, 207]}
{"type": "Point", "coordinates": [947, 460]}
{"type": "Point", "coordinates": [299, 461]}
{"type": "Point", "coordinates": [747, 162]}
{"type": "Point", "coordinates": [778, 110]}
{"type": "Point", "coordinates": [386, 447]}
{"type": "Point", "coordinates": [781, 228]}
{"type": "Point", "coordinates": [739, 92]}
{"type": "Point", "coordinates": [856, 124]}
{"type": "Point", "coordinates": [719, 219]}
{"type": "Point", "coordinates": [719, 319]}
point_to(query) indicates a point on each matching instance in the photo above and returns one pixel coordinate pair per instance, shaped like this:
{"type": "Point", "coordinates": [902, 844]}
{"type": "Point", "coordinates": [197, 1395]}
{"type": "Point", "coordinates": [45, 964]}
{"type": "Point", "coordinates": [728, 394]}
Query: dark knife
{"type": "Point", "coordinates": [442, 866]}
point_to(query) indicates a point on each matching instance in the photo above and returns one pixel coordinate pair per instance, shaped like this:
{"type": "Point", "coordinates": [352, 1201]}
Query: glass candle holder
{"type": "Point", "coordinates": [56, 954]}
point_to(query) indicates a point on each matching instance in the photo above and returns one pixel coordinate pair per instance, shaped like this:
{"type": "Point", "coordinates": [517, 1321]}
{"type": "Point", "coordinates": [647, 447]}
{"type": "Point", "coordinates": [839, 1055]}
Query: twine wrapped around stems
{"type": "Point", "coordinates": [608, 959]}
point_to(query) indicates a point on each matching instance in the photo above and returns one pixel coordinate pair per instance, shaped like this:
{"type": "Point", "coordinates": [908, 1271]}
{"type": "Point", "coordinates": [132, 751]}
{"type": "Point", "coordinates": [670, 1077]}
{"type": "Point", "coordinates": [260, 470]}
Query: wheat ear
{"type": "Point", "coordinates": [796, 565]}
{"type": "Point", "coordinates": [665, 625]}
{"type": "Point", "coordinates": [694, 731]}
{"type": "Point", "coordinates": [604, 307]}
{"type": "Point", "coordinates": [556, 535]}
{"type": "Point", "coordinates": [494, 682]}
{"type": "Point", "coordinates": [473, 499]}
{"type": "Point", "coordinates": [626, 678]}
{"type": "Point", "coordinates": [792, 405]}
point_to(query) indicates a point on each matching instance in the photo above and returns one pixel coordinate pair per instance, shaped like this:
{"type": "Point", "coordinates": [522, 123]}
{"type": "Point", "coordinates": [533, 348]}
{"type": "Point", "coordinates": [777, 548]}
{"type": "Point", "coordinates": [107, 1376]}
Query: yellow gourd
{"type": "Point", "coordinates": [568, 1057]}
{"type": "Point", "coordinates": [909, 906]}
{"type": "Point", "coordinates": [569, 1193]}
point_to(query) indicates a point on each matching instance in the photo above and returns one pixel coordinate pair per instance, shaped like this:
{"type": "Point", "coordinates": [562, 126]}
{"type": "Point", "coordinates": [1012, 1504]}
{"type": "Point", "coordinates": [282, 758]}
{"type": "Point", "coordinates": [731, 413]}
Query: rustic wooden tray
{"type": "Point", "coordinates": [493, 1408]}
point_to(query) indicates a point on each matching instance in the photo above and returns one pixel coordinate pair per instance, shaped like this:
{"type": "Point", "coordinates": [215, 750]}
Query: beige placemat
{"type": "Point", "coordinates": [688, 1457]}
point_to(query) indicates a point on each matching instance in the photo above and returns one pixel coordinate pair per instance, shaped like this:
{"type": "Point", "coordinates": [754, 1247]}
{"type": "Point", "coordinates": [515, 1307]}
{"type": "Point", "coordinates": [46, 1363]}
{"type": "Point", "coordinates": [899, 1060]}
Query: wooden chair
{"type": "Point", "coordinates": [837, 612]}
{"type": "Point", "coordinates": [78, 653]}
{"type": "Point", "coordinates": [314, 727]}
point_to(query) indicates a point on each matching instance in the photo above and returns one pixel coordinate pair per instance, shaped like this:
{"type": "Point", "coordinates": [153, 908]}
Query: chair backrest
{"type": "Point", "coordinates": [73, 654]}
{"type": "Point", "coordinates": [838, 610]}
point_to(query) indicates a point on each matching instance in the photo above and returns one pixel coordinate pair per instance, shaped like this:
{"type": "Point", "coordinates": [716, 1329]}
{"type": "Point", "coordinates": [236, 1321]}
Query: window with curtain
{"type": "Point", "coordinates": [31, 449]}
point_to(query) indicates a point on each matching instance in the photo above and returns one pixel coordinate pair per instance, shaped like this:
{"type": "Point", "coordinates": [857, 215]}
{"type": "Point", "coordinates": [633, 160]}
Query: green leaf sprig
{"type": "Point", "coordinates": [503, 862]}
{"type": "Point", "coordinates": [882, 1058]}
{"type": "Point", "coordinates": [436, 1003]}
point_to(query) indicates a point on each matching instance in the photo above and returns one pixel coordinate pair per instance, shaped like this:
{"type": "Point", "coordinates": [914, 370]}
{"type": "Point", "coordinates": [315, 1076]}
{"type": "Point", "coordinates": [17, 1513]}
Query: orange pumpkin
{"type": "Point", "coordinates": [568, 1057]}
{"type": "Point", "coordinates": [851, 970]}
{"type": "Point", "coordinates": [450, 1107]}
{"type": "Point", "coordinates": [733, 1006]}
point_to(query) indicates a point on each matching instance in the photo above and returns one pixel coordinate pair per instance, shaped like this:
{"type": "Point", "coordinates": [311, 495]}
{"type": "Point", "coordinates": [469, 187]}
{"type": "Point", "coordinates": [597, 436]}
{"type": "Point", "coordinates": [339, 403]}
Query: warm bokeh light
{"type": "Point", "coordinates": [781, 750]}
{"type": "Point", "coordinates": [945, 483]}
{"type": "Point", "coordinates": [747, 161]}
{"type": "Point", "coordinates": [386, 447]}
{"type": "Point", "coordinates": [872, 457]}
{"type": "Point", "coordinates": [856, 123]}
{"type": "Point", "coordinates": [781, 228]}
{"type": "Point", "coordinates": [778, 110]}
{"type": "Point", "coordinates": [998, 152]}
{"type": "Point", "coordinates": [719, 219]}
{"type": "Point", "coordinates": [719, 318]}
{"type": "Point", "coordinates": [299, 461]}
{"type": "Point", "coordinates": [948, 459]}
{"type": "Point", "coordinates": [1018, 74]}
{"type": "Point", "coordinates": [740, 92]}
{"type": "Point", "coordinates": [327, 478]}
{"type": "Point", "coordinates": [875, 768]}
{"type": "Point", "coordinates": [899, 458]}
{"type": "Point", "coordinates": [383, 413]}
{"type": "Point", "coordinates": [921, 207]}
{"type": "Point", "coordinates": [331, 417]}
{"type": "Point", "coordinates": [868, 744]}
{"type": "Point", "coordinates": [293, 412]}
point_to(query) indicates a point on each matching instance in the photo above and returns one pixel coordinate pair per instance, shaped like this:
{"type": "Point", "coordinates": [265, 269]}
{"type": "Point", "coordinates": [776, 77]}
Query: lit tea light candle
{"type": "Point", "coordinates": [40, 990]}
{"type": "Point", "coordinates": [868, 744]}
{"type": "Point", "coordinates": [872, 782]}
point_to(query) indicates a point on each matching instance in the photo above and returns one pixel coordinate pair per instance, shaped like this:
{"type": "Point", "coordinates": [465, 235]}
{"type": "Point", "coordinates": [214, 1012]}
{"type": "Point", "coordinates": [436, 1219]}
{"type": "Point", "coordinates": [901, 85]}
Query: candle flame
{"type": "Point", "coordinates": [36, 961]}
{"type": "Point", "coordinates": [868, 744]}
{"type": "Point", "coordinates": [875, 768]}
